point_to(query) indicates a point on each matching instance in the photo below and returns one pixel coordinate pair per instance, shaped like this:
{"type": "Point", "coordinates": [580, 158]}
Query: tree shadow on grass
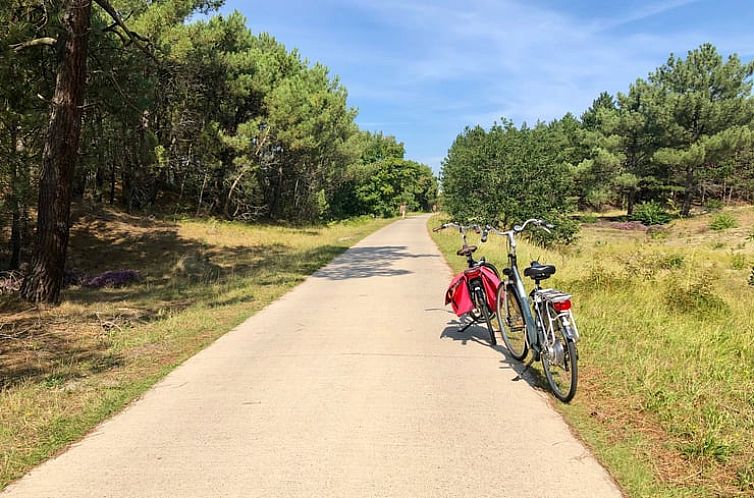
{"type": "Point", "coordinates": [31, 349]}
{"type": "Point", "coordinates": [70, 342]}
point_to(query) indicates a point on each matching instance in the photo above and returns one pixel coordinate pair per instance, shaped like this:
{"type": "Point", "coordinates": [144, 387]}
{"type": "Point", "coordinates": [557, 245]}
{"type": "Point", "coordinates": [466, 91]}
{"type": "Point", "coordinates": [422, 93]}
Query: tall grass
{"type": "Point", "coordinates": [667, 352]}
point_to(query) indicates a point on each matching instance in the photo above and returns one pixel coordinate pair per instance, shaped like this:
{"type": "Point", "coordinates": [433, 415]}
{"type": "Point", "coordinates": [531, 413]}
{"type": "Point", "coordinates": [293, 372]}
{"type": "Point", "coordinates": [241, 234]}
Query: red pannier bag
{"type": "Point", "coordinates": [458, 294]}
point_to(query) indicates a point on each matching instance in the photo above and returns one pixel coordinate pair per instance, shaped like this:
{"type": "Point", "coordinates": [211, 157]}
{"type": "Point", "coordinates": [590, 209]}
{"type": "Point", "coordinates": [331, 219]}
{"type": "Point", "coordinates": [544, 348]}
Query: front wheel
{"type": "Point", "coordinates": [511, 321]}
{"type": "Point", "coordinates": [559, 360]}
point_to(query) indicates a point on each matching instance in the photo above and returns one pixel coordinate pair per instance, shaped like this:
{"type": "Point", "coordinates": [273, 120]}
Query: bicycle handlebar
{"type": "Point", "coordinates": [461, 228]}
{"type": "Point", "coordinates": [516, 230]}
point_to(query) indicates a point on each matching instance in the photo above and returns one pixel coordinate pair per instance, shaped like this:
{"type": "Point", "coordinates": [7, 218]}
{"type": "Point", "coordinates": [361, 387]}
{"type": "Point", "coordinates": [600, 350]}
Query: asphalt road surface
{"type": "Point", "coordinates": [354, 384]}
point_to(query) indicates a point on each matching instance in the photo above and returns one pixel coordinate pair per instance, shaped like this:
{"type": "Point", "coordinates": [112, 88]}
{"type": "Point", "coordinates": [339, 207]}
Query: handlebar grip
{"type": "Point", "coordinates": [437, 229]}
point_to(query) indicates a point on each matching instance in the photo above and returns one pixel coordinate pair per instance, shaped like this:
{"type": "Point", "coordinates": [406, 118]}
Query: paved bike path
{"type": "Point", "coordinates": [354, 384]}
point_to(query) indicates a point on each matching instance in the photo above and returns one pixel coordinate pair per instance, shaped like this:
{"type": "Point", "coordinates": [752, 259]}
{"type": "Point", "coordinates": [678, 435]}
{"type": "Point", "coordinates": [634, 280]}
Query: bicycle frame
{"type": "Point", "coordinates": [514, 277]}
{"type": "Point", "coordinates": [551, 333]}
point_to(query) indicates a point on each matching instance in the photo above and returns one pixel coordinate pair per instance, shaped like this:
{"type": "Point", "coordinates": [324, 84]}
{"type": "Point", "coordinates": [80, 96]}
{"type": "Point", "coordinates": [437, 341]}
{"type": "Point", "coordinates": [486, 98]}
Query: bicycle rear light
{"type": "Point", "coordinates": [562, 306]}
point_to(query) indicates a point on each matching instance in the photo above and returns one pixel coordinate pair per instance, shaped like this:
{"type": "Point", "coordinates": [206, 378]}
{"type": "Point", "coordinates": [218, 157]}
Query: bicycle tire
{"type": "Point", "coordinates": [484, 310]}
{"type": "Point", "coordinates": [564, 392]}
{"type": "Point", "coordinates": [512, 327]}
{"type": "Point", "coordinates": [491, 267]}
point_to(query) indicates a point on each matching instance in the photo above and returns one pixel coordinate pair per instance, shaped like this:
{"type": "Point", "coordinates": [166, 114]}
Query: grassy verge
{"type": "Point", "coordinates": [64, 370]}
{"type": "Point", "coordinates": [666, 394]}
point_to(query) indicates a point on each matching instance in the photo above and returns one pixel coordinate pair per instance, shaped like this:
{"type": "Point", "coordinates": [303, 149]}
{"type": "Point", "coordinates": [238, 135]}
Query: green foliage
{"type": "Point", "coordinates": [738, 262]}
{"type": "Point", "coordinates": [713, 205]}
{"type": "Point", "coordinates": [698, 296]}
{"type": "Point", "coordinates": [705, 109]}
{"type": "Point", "coordinates": [508, 174]}
{"type": "Point", "coordinates": [723, 221]}
{"type": "Point", "coordinates": [589, 218]}
{"type": "Point", "coordinates": [381, 187]}
{"type": "Point", "coordinates": [376, 147]}
{"type": "Point", "coordinates": [215, 120]}
{"type": "Point", "coordinates": [651, 213]}
{"type": "Point", "coordinates": [599, 197]}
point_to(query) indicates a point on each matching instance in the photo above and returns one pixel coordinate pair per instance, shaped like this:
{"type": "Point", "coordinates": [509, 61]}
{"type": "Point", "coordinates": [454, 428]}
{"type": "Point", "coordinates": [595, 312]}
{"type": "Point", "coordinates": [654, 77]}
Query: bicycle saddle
{"type": "Point", "coordinates": [466, 250]}
{"type": "Point", "coordinates": [539, 271]}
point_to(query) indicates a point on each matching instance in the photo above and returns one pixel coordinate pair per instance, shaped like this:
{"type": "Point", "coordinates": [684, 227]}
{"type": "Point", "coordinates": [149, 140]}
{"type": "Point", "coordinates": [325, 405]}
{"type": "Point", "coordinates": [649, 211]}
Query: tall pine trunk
{"type": "Point", "coordinates": [14, 198]}
{"type": "Point", "coordinates": [44, 282]}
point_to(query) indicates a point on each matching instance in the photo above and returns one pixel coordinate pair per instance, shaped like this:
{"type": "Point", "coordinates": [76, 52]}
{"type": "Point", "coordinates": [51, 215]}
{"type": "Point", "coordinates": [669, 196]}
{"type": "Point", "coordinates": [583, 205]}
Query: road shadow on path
{"type": "Point", "coordinates": [370, 261]}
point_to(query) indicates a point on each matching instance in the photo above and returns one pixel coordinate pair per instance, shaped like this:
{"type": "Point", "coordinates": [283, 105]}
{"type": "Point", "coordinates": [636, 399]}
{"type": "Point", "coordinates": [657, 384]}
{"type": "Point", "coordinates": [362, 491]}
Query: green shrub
{"type": "Point", "coordinates": [738, 262]}
{"type": "Point", "coordinates": [723, 221]}
{"type": "Point", "coordinates": [713, 205]}
{"type": "Point", "coordinates": [697, 296]}
{"type": "Point", "coordinates": [671, 261]}
{"type": "Point", "coordinates": [589, 218]}
{"type": "Point", "coordinates": [651, 213]}
{"type": "Point", "coordinates": [565, 231]}
{"type": "Point", "coordinates": [599, 197]}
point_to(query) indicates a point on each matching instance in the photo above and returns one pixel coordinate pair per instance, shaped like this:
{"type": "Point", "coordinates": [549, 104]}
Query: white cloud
{"type": "Point", "coordinates": [534, 63]}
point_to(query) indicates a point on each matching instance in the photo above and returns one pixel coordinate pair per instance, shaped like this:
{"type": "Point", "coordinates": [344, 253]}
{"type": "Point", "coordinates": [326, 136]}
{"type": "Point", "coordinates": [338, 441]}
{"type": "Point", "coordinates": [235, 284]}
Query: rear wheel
{"type": "Point", "coordinates": [560, 363]}
{"type": "Point", "coordinates": [511, 321]}
{"type": "Point", "coordinates": [484, 311]}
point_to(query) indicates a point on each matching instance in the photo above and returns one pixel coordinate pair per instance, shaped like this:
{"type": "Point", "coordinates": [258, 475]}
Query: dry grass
{"type": "Point", "coordinates": [63, 370]}
{"type": "Point", "coordinates": [667, 354]}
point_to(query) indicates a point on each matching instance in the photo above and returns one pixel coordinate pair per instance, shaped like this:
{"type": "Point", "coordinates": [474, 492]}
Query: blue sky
{"type": "Point", "coordinates": [423, 70]}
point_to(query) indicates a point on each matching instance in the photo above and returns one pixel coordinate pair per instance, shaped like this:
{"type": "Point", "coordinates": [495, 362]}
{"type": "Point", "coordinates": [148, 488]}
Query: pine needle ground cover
{"type": "Point", "coordinates": [666, 380]}
{"type": "Point", "coordinates": [64, 370]}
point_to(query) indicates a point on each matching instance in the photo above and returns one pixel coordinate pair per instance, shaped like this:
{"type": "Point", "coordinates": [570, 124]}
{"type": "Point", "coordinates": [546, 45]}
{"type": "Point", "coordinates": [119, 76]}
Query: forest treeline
{"type": "Point", "coordinates": [183, 111]}
{"type": "Point", "coordinates": [680, 137]}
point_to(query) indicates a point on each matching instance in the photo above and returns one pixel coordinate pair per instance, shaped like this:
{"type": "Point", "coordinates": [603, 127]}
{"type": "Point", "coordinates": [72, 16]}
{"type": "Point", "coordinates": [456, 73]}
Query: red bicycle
{"type": "Point", "coordinates": [473, 292]}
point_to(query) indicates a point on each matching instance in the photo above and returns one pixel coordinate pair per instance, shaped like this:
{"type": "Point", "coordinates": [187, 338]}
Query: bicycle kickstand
{"type": "Point", "coordinates": [472, 322]}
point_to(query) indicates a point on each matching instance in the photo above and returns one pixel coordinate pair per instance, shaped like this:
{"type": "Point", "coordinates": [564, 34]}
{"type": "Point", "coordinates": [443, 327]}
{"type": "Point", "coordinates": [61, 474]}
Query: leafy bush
{"type": "Point", "coordinates": [713, 205]}
{"type": "Point", "coordinates": [651, 213]}
{"type": "Point", "coordinates": [599, 197]}
{"type": "Point", "coordinates": [565, 232]}
{"type": "Point", "coordinates": [723, 221]}
{"type": "Point", "coordinates": [589, 218]}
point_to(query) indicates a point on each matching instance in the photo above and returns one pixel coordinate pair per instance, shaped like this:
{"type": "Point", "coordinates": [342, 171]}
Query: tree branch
{"type": "Point", "coordinates": [46, 41]}
{"type": "Point", "coordinates": [138, 40]}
